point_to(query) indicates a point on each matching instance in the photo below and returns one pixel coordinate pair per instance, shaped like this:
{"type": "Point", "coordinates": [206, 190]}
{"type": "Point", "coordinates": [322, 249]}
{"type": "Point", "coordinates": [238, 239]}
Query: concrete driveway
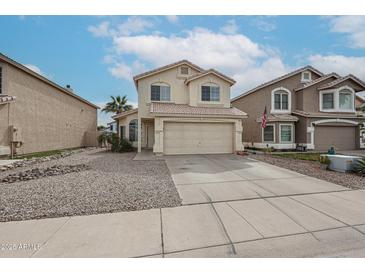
{"type": "Point", "coordinates": [233, 207]}
{"type": "Point", "coordinates": [220, 178]}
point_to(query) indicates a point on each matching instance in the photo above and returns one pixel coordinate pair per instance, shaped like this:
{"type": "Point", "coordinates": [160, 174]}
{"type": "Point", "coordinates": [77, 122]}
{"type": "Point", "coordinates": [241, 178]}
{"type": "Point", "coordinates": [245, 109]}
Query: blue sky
{"type": "Point", "coordinates": [97, 55]}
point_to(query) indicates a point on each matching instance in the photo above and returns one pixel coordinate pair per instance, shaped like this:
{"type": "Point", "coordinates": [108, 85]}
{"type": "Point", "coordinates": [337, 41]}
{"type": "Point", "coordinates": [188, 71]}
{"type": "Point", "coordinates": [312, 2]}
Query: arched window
{"type": "Point", "coordinates": [280, 100]}
{"type": "Point", "coordinates": [133, 130]}
{"type": "Point", "coordinates": [346, 99]}
{"type": "Point", "coordinates": [160, 92]}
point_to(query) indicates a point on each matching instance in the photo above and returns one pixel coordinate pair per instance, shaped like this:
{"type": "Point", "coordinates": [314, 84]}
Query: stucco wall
{"type": "Point", "coordinates": [179, 91]}
{"type": "Point", "coordinates": [195, 92]}
{"type": "Point", "coordinates": [254, 105]}
{"type": "Point", "coordinates": [47, 118]}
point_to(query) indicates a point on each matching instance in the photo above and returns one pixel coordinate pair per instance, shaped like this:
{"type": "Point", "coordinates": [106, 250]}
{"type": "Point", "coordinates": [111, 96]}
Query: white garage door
{"type": "Point", "coordinates": [198, 138]}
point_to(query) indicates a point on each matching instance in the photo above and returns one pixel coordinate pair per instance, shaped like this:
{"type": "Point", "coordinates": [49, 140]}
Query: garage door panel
{"type": "Point", "coordinates": [340, 137]}
{"type": "Point", "coordinates": [198, 138]}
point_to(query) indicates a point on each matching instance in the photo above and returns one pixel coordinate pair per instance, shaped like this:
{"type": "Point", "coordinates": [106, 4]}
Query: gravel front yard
{"type": "Point", "coordinates": [113, 182]}
{"type": "Point", "coordinates": [312, 168]}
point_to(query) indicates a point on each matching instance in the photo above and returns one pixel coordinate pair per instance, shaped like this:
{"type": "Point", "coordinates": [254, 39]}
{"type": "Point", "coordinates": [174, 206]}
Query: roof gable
{"type": "Point", "coordinates": [164, 68]}
{"type": "Point", "coordinates": [319, 80]}
{"type": "Point", "coordinates": [340, 80]}
{"type": "Point", "coordinates": [290, 74]}
{"type": "Point", "coordinates": [208, 72]}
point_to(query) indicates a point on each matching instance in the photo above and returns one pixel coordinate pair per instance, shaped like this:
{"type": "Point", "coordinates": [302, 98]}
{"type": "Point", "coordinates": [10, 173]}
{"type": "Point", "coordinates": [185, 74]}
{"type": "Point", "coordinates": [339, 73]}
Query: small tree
{"type": "Point", "coordinates": [117, 105]}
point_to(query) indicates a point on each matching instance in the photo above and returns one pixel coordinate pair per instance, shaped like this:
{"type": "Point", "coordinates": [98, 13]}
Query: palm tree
{"type": "Point", "coordinates": [117, 105]}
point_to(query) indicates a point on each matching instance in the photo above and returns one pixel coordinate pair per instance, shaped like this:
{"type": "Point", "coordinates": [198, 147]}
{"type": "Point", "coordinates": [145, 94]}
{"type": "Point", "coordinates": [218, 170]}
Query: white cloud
{"type": "Point", "coordinates": [124, 71]}
{"type": "Point", "coordinates": [234, 54]}
{"type": "Point", "coordinates": [172, 18]}
{"type": "Point", "coordinates": [264, 23]}
{"type": "Point", "coordinates": [102, 30]}
{"type": "Point", "coordinates": [340, 64]}
{"type": "Point", "coordinates": [230, 28]}
{"type": "Point", "coordinates": [34, 68]}
{"type": "Point", "coordinates": [132, 25]}
{"type": "Point", "coordinates": [353, 26]}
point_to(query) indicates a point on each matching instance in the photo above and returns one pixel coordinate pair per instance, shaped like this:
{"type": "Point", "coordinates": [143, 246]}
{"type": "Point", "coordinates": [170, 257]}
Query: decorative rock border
{"type": "Point", "coordinates": [32, 161]}
{"type": "Point", "coordinates": [36, 173]}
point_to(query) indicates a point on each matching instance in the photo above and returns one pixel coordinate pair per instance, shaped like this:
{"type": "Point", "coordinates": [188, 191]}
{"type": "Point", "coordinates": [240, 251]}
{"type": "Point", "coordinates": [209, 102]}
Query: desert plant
{"type": "Point", "coordinates": [113, 140]}
{"type": "Point", "coordinates": [125, 146]}
{"type": "Point", "coordinates": [324, 160]}
{"type": "Point", "coordinates": [360, 166]}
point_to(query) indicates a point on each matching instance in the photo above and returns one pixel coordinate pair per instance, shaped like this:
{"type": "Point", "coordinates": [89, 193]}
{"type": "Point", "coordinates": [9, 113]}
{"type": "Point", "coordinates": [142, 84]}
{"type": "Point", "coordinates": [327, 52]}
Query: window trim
{"type": "Point", "coordinates": [336, 100]}
{"type": "Point", "coordinates": [273, 110]}
{"type": "Point", "coordinates": [165, 84]}
{"type": "Point", "coordinates": [303, 80]}
{"type": "Point", "coordinates": [292, 133]}
{"type": "Point", "coordinates": [210, 84]}
{"type": "Point", "coordinates": [263, 136]}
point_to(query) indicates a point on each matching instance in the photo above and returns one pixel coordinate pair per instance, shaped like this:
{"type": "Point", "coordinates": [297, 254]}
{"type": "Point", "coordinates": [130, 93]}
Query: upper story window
{"type": "Point", "coordinates": [345, 99]}
{"type": "Point", "coordinates": [328, 100]}
{"type": "Point", "coordinates": [1, 80]}
{"type": "Point", "coordinates": [184, 70]}
{"type": "Point", "coordinates": [337, 100]}
{"type": "Point", "coordinates": [160, 92]}
{"type": "Point", "coordinates": [210, 93]}
{"type": "Point", "coordinates": [280, 100]}
{"type": "Point", "coordinates": [306, 76]}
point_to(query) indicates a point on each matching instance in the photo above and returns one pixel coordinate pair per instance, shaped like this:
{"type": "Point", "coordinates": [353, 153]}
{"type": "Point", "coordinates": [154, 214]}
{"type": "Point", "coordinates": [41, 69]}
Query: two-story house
{"type": "Point", "coordinates": [183, 109]}
{"type": "Point", "coordinates": [304, 107]}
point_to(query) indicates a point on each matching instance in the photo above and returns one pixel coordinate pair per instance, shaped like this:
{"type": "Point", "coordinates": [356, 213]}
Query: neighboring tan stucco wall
{"type": "Point", "coordinates": [195, 92]}
{"type": "Point", "coordinates": [47, 118]}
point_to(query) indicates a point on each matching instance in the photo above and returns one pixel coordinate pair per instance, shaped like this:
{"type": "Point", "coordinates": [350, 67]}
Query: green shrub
{"type": "Point", "coordinates": [360, 166]}
{"type": "Point", "coordinates": [113, 140]}
{"type": "Point", "coordinates": [324, 160]}
{"type": "Point", "coordinates": [125, 146]}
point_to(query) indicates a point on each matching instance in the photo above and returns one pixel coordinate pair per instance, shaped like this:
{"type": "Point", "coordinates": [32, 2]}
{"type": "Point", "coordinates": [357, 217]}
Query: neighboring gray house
{"type": "Point", "coordinates": [304, 107]}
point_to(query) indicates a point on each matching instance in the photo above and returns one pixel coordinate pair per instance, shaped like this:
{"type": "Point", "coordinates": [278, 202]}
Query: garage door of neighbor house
{"type": "Point", "coordinates": [198, 138]}
{"type": "Point", "coordinates": [340, 137]}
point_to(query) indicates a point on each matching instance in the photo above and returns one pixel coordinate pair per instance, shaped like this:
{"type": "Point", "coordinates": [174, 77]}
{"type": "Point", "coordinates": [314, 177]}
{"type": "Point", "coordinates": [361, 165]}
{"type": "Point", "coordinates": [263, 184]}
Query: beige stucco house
{"type": "Point", "coordinates": [183, 109]}
{"type": "Point", "coordinates": [305, 108]}
{"type": "Point", "coordinates": [38, 115]}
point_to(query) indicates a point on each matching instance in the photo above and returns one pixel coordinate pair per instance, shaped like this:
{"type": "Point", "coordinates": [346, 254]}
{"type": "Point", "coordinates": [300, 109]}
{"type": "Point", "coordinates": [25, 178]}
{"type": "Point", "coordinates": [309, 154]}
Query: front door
{"type": "Point", "coordinates": [150, 135]}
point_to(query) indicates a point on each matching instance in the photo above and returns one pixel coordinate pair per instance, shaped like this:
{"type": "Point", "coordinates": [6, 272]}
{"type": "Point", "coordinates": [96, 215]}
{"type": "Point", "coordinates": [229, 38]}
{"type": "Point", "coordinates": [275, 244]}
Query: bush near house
{"type": "Point", "coordinates": [360, 166]}
{"type": "Point", "coordinates": [120, 145]}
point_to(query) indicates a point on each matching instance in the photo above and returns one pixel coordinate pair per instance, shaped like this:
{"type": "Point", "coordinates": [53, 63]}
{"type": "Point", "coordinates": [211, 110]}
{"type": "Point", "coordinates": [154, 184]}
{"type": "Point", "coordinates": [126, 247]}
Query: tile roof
{"type": "Point", "coordinates": [44, 79]}
{"type": "Point", "coordinates": [182, 109]}
{"type": "Point", "coordinates": [342, 79]}
{"type": "Point", "coordinates": [277, 80]}
{"type": "Point", "coordinates": [125, 113]}
{"type": "Point", "coordinates": [325, 115]}
{"type": "Point", "coordinates": [4, 99]}
{"type": "Point", "coordinates": [279, 118]}
{"type": "Point", "coordinates": [210, 71]}
{"type": "Point", "coordinates": [318, 80]}
{"type": "Point", "coordinates": [156, 70]}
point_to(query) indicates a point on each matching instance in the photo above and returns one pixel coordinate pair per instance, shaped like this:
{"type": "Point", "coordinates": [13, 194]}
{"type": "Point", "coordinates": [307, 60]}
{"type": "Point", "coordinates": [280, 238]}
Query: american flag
{"type": "Point", "coordinates": [263, 119]}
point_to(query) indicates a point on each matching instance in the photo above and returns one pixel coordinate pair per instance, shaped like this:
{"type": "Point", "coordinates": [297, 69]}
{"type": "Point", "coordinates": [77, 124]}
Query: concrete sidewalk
{"type": "Point", "coordinates": [313, 225]}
